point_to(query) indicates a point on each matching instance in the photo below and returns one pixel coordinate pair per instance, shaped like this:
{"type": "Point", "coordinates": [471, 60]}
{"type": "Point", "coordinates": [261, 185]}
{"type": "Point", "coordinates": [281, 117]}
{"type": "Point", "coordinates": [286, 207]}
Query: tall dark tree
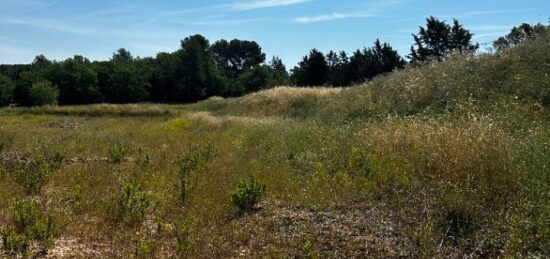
{"type": "Point", "coordinates": [76, 80]}
{"type": "Point", "coordinates": [39, 70]}
{"type": "Point", "coordinates": [338, 64]}
{"type": "Point", "coordinates": [278, 73]}
{"type": "Point", "coordinates": [387, 58]}
{"type": "Point", "coordinates": [164, 77]}
{"type": "Point", "coordinates": [6, 90]}
{"type": "Point", "coordinates": [312, 70]}
{"type": "Point", "coordinates": [198, 76]}
{"type": "Point", "coordinates": [122, 80]}
{"type": "Point", "coordinates": [438, 39]}
{"type": "Point", "coordinates": [236, 56]}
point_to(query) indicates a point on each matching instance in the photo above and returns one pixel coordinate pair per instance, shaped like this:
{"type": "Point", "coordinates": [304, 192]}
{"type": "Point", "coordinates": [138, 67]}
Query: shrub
{"type": "Point", "coordinates": [14, 243]}
{"type": "Point", "coordinates": [247, 194]}
{"type": "Point", "coordinates": [33, 178]}
{"type": "Point", "coordinates": [130, 205]}
{"type": "Point", "coordinates": [30, 224]}
{"type": "Point", "coordinates": [181, 233]}
{"type": "Point", "coordinates": [44, 92]}
{"type": "Point", "coordinates": [117, 153]}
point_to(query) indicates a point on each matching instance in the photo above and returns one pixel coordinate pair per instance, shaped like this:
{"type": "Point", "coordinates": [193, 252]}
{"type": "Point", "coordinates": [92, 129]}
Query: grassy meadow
{"type": "Point", "coordinates": [449, 159]}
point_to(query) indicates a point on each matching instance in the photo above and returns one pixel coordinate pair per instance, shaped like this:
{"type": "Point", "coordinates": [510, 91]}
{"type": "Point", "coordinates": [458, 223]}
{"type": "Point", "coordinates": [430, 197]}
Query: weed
{"type": "Point", "coordinates": [33, 178]}
{"type": "Point", "coordinates": [29, 224]}
{"type": "Point", "coordinates": [195, 160]}
{"type": "Point", "coordinates": [144, 249]}
{"type": "Point", "coordinates": [130, 205]}
{"type": "Point", "coordinates": [117, 153]}
{"type": "Point", "coordinates": [181, 233]}
{"type": "Point", "coordinates": [247, 194]}
{"type": "Point", "coordinates": [309, 250]}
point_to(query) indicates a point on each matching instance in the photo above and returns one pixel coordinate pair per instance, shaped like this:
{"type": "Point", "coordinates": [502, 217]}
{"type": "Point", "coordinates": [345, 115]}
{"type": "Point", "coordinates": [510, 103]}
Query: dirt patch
{"type": "Point", "coordinates": [63, 124]}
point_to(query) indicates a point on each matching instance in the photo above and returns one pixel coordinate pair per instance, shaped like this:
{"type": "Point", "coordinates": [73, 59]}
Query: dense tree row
{"type": "Point", "coordinates": [199, 69]}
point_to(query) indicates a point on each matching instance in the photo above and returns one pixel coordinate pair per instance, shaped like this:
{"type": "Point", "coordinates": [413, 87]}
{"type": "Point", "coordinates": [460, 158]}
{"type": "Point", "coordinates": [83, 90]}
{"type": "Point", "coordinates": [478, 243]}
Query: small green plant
{"type": "Point", "coordinates": [144, 249]}
{"type": "Point", "coordinates": [181, 233]}
{"type": "Point", "coordinates": [33, 178]}
{"type": "Point", "coordinates": [130, 205]}
{"type": "Point", "coordinates": [143, 158]}
{"type": "Point", "coordinates": [195, 160]}
{"type": "Point", "coordinates": [14, 243]}
{"type": "Point", "coordinates": [247, 194]}
{"type": "Point", "coordinates": [117, 153]}
{"type": "Point", "coordinates": [309, 250]}
{"type": "Point", "coordinates": [29, 224]}
{"type": "Point", "coordinates": [73, 196]}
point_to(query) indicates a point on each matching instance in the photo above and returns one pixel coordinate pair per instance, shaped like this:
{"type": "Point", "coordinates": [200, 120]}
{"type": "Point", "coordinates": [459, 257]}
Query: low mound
{"type": "Point", "coordinates": [519, 73]}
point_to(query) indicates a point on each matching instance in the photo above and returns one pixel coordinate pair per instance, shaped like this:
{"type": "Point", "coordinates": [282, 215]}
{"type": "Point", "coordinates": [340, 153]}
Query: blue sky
{"type": "Point", "coordinates": [287, 28]}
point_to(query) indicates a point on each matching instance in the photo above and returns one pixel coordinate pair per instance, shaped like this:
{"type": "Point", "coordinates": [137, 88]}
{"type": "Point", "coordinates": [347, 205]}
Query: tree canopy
{"type": "Point", "coordinates": [438, 40]}
{"type": "Point", "coordinates": [199, 70]}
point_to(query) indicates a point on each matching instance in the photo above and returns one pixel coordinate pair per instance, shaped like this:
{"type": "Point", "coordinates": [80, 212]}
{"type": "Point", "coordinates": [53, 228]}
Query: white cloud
{"type": "Point", "coordinates": [330, 17]}
{"type": "Point", "coordinates": [223, 22]}
{"type": "Point", "coordinates": [260, 4]}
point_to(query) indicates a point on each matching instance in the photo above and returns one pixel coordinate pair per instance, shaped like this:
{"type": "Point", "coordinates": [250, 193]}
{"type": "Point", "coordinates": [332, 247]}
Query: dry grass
{"type": "Point", "coordinates": [447, 160]}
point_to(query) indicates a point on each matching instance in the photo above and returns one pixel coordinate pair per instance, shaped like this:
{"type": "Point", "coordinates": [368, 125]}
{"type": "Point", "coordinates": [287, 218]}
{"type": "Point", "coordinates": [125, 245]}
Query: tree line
{"type": "Point", "coordinates": [198, 69]}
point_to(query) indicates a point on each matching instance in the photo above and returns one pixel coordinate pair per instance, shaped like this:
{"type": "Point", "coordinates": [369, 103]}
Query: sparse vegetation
{"type": "Point", "coordinates": [449, 159]}
{"type": "Point", "coordinates": [129, 205]}
{"type": "Point", "coordinates": [30, 224]}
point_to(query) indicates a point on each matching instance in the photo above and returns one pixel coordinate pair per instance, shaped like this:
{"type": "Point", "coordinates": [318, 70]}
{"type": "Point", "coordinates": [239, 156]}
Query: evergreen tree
{"type": "Point", "coordinates": [6, 90]}
{"type": "Point", "coordinates": [312, 70]}
{"type": "Point", "coordinates": [122, 80]}
{"type": "Point", "coordinates": [338, 64]}
{"type": "Point", "coordinates": [278, 75]}
{"type": "Point", "coordinates": [437, 40]}
{"type": "Point", "coordinates": [519, 34]}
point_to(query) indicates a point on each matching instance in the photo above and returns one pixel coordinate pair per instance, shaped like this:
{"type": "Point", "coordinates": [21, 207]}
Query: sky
{"type": "Point", "coordinates": [287, 28]}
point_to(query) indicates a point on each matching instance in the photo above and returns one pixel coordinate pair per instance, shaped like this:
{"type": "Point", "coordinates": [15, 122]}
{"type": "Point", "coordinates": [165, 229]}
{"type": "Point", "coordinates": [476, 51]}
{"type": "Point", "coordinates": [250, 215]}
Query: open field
{"type": "Point", "coordinates": [449, 159]}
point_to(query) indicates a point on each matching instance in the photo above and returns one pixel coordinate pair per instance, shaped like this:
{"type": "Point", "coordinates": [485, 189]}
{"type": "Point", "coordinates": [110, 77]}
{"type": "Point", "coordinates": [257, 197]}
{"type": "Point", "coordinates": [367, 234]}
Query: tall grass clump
{"type": "Point", "coordinates": [130, 205]}
{"type": "Point", "coordinates": [30, 225]}
{"type": "Point", "coordinates": [195, 160]}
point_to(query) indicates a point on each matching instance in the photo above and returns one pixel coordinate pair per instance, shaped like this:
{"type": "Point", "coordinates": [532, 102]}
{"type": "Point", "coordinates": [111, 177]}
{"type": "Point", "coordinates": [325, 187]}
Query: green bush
{"type": "Point", "coordinates": [6, 90]}
{"type": "Point", "coordinates": [117, 153]}
{"type": "Point", "coordinates": [33, 178]}
{"type": "Point", "coordinates": [247, 194]}
{"type": "Point", "coordinates": [14, 243]}
{"type": "Point", "coordinates": [29, 224]}
{"type": "Point", "coordinates": [43, 93]}
{"type": "Point", "coordinates": [130, 205]}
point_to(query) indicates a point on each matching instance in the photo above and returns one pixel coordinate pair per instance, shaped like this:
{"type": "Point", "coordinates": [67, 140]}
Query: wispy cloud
{"type": "Point", "coordinates": [78, 29]}
{"type": "Point", "coordinates": [50, 25]}
{"type": "Point", "coordinates": [261, 4]}
{"type": "Point", "coordinates": [371, 9]}
{"type": "Point", "coordinates": [330, 17]}
{"type": "Point", "coordinates": [28, 3]}
{"type": "Point", "coordinates": [491, 12]}
{"type": "Point", "coordinates": [484, 13]}
{"type": "Point", "coordinates": [222, 22]}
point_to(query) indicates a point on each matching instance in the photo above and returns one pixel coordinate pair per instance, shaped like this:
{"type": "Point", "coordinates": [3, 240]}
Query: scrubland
{"type": "Point", "coordinates": [449, 159]}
